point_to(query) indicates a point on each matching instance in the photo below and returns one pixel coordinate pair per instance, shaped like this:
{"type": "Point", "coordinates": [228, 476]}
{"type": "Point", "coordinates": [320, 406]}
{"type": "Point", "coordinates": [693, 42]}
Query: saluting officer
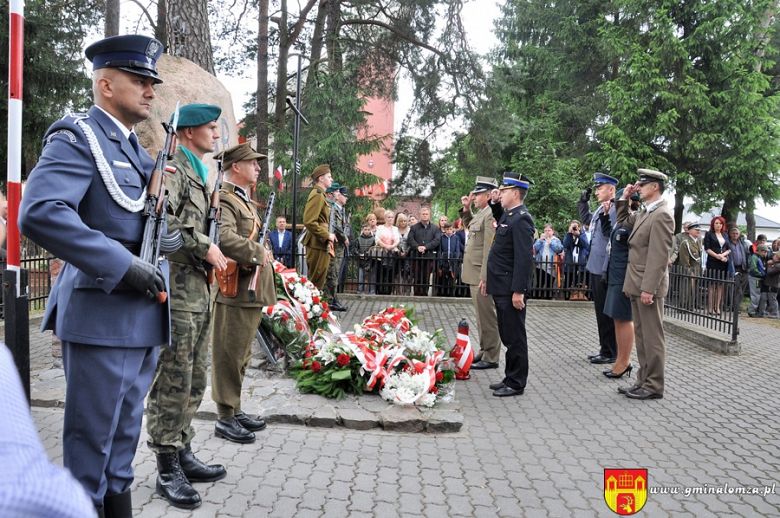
{"type": "Point", "coordinates": [316, 219]}
{"type": "Point", "coordinates": [510, 265]}
{"type": "Point", "coordinates": [84, 203]}
{"type": "Point", "coordinates": [482, 230]}
{"type": "Point", "coordinates": [180, 380]}
{"type": "Point", "coordinates": [236, 317]}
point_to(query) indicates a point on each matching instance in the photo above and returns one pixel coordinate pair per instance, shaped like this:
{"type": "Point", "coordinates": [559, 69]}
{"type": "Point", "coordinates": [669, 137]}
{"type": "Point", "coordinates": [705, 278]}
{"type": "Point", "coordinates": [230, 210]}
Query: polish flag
{"type": "Point", "coordinates": [278, 175]}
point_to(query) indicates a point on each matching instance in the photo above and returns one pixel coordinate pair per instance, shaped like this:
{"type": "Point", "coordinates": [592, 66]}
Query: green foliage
{"type": "Point", "coordinates": [54, 81]}
{"type": "Point", "coordinates": [330, 380]}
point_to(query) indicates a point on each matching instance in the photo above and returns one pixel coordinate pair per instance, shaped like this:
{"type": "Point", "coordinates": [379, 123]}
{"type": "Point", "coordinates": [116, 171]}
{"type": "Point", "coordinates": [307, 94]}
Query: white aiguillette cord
{"type": "Point", "coordinates": [107, 175]}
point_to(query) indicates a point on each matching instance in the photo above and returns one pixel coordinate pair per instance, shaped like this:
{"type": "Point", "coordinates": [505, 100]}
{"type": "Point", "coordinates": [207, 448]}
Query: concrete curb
{"type": "Point", "coordinates": [704, 337]}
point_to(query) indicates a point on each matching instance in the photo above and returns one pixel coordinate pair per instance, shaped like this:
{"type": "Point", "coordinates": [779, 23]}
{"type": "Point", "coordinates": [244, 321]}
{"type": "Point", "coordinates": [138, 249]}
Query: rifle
{"type": "Point", "coordinates": [261, 239]}
{"type": "Point", "coordinates": [153, 243]}
{"type": "Point", "coordinates": [331, 227]}
{"type": "Point", "coordinates": [214, 215]}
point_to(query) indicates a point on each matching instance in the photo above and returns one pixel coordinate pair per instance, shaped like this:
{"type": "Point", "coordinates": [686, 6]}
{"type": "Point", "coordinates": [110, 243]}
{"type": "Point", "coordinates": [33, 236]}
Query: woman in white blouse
{"type": "Point", "coordinates": [387, 237]}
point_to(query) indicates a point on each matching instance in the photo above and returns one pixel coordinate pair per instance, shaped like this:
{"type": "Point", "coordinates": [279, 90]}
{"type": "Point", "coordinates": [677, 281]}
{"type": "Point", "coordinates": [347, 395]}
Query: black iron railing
{"type": "Point", "coordinates": [707, 299]}
{"type": "Point", "coordinates": [37, 262]}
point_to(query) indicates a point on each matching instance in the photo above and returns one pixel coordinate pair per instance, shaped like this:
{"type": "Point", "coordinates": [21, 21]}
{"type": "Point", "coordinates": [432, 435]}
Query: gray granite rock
{"type": "Point", "coordinates": [397, 418]}
{"type": "Point", "coordinates": [358, 419]}
{"type": "Point", "coordinates": [444, 421]}
{"type": "Point", "coordinates": [325, 416]}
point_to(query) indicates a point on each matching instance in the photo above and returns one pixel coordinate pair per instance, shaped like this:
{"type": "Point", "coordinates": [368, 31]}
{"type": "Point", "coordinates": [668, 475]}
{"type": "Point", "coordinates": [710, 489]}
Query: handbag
{"type": "Point", "coordinates": [228, 279]}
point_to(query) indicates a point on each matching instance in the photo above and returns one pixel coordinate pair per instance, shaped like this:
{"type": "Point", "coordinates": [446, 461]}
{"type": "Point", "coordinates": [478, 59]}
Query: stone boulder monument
{"type": "Point", "coordinates": [186, 82]}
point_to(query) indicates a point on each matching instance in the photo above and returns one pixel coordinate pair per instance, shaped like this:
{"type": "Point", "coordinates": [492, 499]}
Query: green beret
{"type": "Point", "coordinates": [335, 186]}
{"type": "Point", "coordinates": [192, 115]}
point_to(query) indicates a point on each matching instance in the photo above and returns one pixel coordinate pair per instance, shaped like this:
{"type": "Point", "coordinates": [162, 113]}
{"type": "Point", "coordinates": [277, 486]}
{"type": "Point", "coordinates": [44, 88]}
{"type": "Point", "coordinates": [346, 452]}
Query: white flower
{"type": "Point", "coordinates": [404, 388]}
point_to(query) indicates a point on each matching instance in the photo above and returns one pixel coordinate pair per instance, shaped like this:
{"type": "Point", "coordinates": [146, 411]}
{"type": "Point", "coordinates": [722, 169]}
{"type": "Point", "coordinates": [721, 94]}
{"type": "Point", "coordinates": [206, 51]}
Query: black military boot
{"type": "Point", "coordinates": [232, 430]}
{"type": "Point", "coordinates": [172, 483]}
{"type": "Point", "coordinates": [197, 470]}
{"type": "Point", "coordinates": [119, 505]}
{"type": "Point", "coordinates": [253, 424]}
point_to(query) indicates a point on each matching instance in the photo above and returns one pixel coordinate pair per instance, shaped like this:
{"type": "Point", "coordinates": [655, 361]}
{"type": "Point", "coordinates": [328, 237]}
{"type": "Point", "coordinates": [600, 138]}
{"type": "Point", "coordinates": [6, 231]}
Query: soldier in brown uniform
{"type": "Point", "coordinates": [481, 233]}
{"type": "Point", "coordinates": [316, 218]}
{"type": "Point", "coordinates": [236, 317]}
{"type": "Point", "coordinates": [180, 379]}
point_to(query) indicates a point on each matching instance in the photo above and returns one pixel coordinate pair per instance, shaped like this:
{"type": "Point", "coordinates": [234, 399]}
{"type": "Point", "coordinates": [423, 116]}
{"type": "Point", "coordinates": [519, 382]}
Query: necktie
{"type": "Point", "coordinates": [134, 142]}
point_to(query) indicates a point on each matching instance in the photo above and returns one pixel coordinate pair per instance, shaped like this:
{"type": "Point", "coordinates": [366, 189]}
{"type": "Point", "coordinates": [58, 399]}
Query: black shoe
{"type": "Point", "coordinates": [496, 386]}
{"type": "Point", "coordinates": [643, 393]}
{"type": "Point", "coordinates": [478, 357]}
{"type": "Point", "coordinates": [506, 391]}
{"type": "Point", "coordinates": [615, 375]}
{"type": "Point", "coordinates": [484, 365]}
{"type": "Point", "coordinates": [172, 483]}
{"type": "Point", "coordinates": [250, 423]}
{"type": "Point", "coordinates": [591, 356]}
{"type": "Point", "coordinates": [602, 359]}
{"type": "Point", "coordinates": [197, 470]}
{"type": "Point", "coordinates": [232, 430]}
{"type": "Point", "coordinates": [119, 505]}
{"type": "Point", "coordinates": [337, 306]}
{"type": "Point", "coordinates": [626, 390]}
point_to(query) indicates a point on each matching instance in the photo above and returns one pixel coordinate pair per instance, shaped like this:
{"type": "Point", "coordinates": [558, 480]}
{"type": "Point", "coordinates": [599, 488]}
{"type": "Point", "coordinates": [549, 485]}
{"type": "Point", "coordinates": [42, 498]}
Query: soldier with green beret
{"type": "Point", "coordinates": [236, 317]}
{"type": "Point", "coordinates": [316, 219]}
{"type": "Point", "coordinates": [180, 379]}
{"type": "Point", "coordinates": [337, 202]}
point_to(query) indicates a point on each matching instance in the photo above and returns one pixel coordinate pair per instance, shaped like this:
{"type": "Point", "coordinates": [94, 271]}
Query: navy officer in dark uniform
{"type": "Point", "coordinates": [84, 203]}
{"type": "Point", "coordinates": [509, 269]}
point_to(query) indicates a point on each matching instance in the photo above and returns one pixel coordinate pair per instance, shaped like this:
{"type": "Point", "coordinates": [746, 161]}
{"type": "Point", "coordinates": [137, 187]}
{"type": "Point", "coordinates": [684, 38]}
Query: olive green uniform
{"type": "Point", "coordinates": [180, 379]}
{"type": "Point", "coordinates": [334, 268]}
{"type": "Point", "coordinates": [316, 216]}
{"type": "Point", "coordinates": [237, 318]}
{"type": "Point", "coordinates": [481, 235]}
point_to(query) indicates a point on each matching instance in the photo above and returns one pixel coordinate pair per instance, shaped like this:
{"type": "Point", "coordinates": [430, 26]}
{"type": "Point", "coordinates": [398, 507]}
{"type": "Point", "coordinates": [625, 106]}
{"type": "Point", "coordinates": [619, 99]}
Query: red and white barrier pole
{"type": "Point", "coordinates": [16, 312]}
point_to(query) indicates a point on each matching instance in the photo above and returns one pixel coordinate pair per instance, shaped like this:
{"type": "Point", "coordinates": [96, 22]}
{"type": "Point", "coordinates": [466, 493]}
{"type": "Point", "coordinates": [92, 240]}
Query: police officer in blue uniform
{"type": "Point", "coordinates": [510, 265]}
{"type": "Point", "coordinates": [84, 203]}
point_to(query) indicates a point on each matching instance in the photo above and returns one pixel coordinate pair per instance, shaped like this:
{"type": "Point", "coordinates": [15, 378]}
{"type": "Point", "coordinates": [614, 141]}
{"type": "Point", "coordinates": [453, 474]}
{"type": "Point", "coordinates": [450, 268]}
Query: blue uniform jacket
{"type": "Point", "coordinates": [510, 262]}
{"type": "Point", "coordinates": [599, 236]}
{"type": "Point", "coordinates": [67, 210]}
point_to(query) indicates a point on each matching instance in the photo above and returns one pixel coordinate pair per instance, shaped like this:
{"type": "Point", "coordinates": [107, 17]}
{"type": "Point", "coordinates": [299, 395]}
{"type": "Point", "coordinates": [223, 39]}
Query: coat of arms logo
{"type": "Point", "coordinates": [625, 490]}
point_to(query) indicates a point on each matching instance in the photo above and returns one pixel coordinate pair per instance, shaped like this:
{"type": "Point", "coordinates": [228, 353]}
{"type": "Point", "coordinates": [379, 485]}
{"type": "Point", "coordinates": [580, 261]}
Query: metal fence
{"type": "Point", "coordinates": [37, 262]}
{"type": "Point", "coordinates": [709, 299]}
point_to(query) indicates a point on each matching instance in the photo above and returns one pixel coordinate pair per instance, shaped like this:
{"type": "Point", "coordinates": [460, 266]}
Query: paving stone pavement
{"type": "Point", "coordinates": [541, 454]}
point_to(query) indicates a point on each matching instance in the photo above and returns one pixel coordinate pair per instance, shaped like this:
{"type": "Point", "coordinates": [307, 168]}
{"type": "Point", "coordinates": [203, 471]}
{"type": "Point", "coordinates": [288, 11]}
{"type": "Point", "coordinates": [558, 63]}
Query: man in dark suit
{"type": "Point", "coordinates": [281, 241]}
{"type": "Point", "coordinates": [84, 203]}
{"type": "Point", "coordinates": [509, 270]}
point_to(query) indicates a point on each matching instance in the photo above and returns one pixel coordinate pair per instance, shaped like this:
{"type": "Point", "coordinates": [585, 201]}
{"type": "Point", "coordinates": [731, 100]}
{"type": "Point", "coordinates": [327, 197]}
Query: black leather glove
{"type": "Point", "coordinates": [585, 196]}
{"type": "Point", "coordinates": [145, 278]}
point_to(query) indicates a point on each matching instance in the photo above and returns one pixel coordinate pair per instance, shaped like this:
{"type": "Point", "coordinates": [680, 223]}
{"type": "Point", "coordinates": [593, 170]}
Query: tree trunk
{"type": "Point", "coordinates": [332, 38]}
{"type": "Point", "coordinates": [679, 210]}
{"type": "Point", "coordinates": [750, 219]}
{"type": "Point", "coordinates": [112, 18]}
{"type": "Point", "coordinates": [281, 75]}
{"type": "Point", "coordinates": [730, 211]}
{"type": "Point", "coordinates": [261, 121]}
{"type": "Point", "coordinates": [188, 32]}
{"type": "Point", "coordinates": [316, 43]}
{"type": "Point", "coordinates": [161, 29]}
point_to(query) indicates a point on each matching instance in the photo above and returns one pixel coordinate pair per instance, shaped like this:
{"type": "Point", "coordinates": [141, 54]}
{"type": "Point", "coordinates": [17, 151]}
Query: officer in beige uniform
{"type": "Point", "coordinates": [481, 226]}
{"type": "Point", "coordinates": [236, 315]}
{"type": "Point", "coordinates": [647, 278]}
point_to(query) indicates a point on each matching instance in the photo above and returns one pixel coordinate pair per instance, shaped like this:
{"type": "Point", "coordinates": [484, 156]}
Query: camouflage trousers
{"type": "Point", "coordinates": [334, 269]}
{"type": "Point", "coordinates": [179, 382]}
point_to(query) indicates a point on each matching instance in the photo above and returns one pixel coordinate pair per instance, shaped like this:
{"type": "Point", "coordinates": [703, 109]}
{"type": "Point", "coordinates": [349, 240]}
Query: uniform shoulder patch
{"type": "Point", "coordinates": [64, 132]}
{"type": "Point", "coordinates": [170, 169]}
